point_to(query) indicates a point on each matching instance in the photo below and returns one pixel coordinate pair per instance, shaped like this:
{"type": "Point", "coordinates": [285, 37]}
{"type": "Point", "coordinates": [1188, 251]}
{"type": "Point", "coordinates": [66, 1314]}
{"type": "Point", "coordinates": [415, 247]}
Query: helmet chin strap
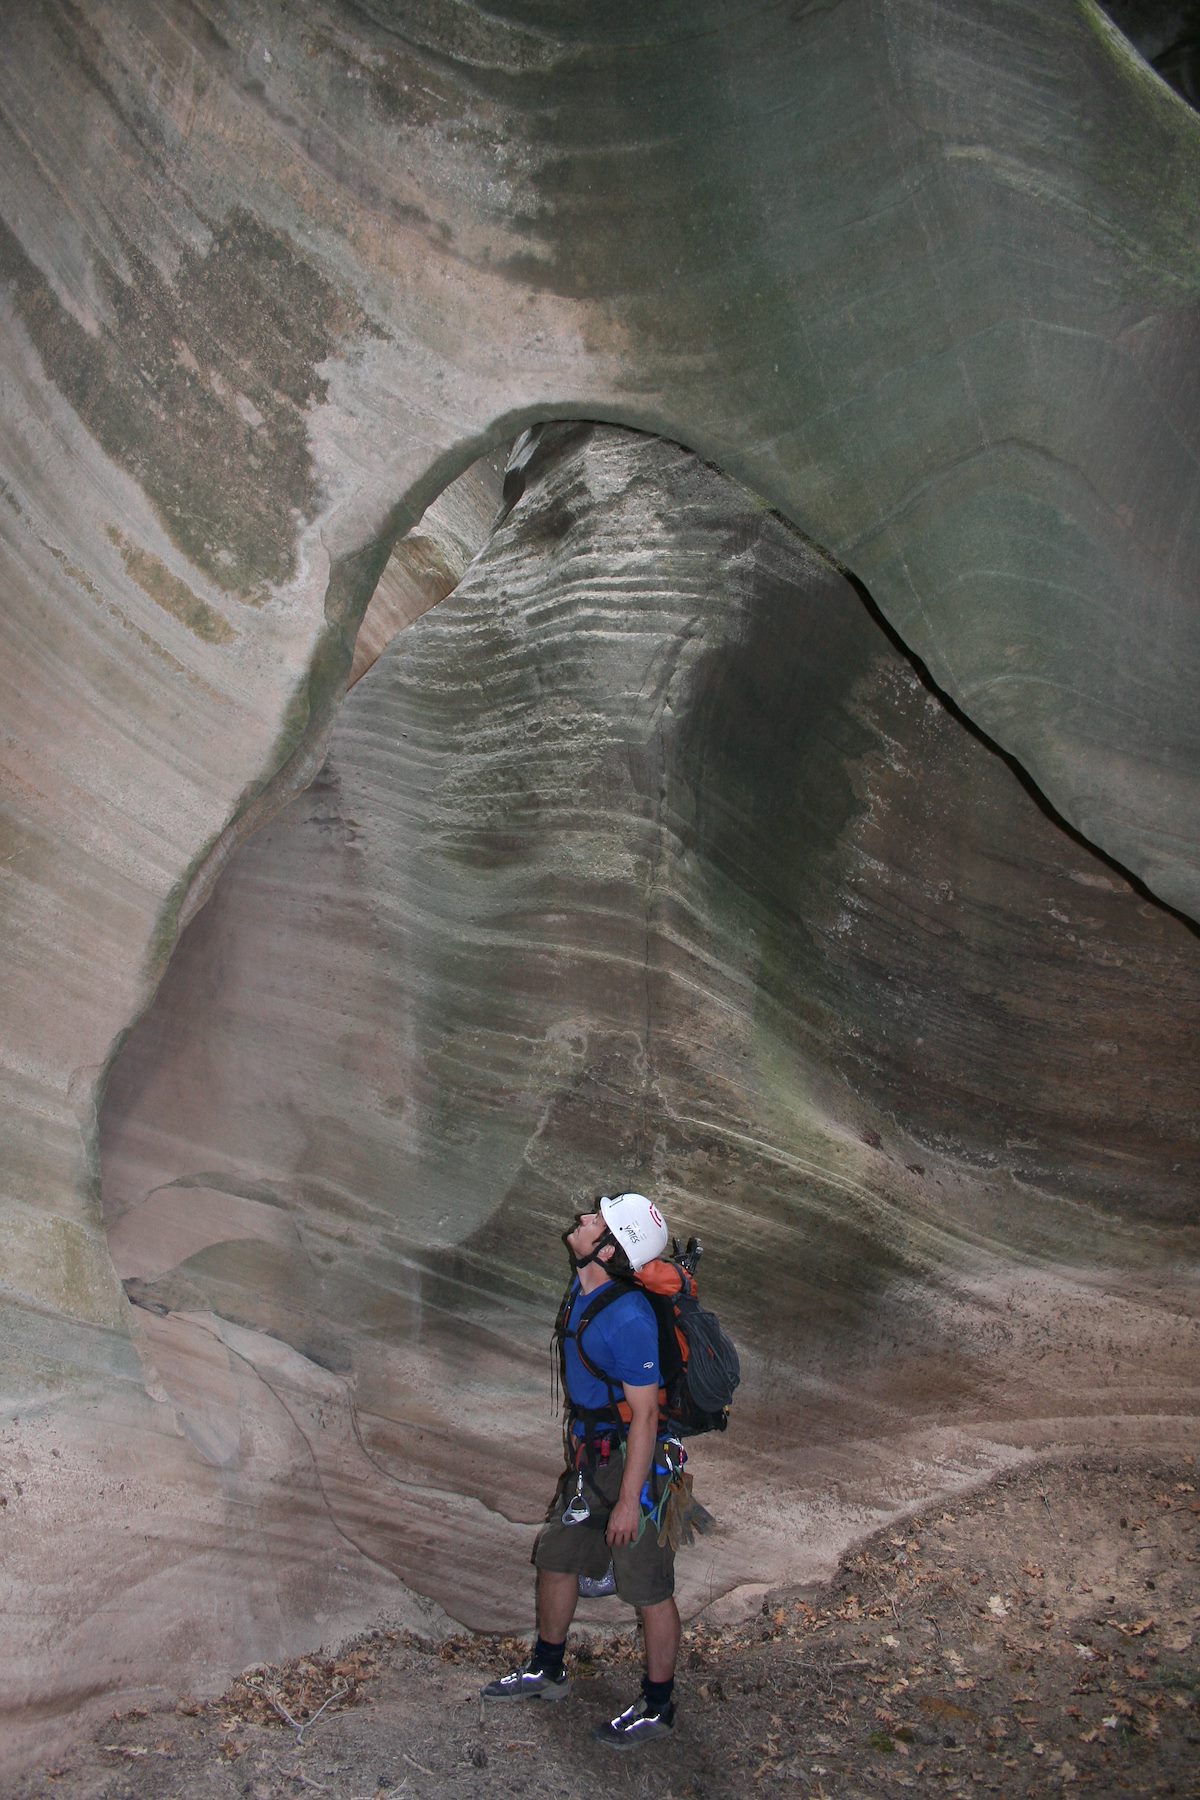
{"type": "Point", "coordinates": [581, 1262]}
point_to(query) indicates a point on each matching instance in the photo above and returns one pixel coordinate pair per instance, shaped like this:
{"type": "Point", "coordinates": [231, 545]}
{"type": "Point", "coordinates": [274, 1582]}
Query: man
{"type": "Point", "coordinates": [598, 1508]}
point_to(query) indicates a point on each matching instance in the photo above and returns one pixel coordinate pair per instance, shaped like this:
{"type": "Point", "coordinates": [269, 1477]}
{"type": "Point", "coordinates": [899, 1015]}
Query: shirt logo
{"type": "Point", "coordinates": [648, 1365]}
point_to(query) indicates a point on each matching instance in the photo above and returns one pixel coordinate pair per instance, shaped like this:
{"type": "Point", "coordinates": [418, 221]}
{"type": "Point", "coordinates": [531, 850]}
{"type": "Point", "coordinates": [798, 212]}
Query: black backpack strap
{"type": "Point", "coordinates": [592, 1310]}
{"type": "Point", "coordinates": [609, 1415]}
{"type": "Point", "coordinates": [573, 1414]}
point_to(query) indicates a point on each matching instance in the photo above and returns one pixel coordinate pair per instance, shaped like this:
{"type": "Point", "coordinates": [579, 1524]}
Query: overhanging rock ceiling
{"type": "Point", "coordinates": [648, 851]}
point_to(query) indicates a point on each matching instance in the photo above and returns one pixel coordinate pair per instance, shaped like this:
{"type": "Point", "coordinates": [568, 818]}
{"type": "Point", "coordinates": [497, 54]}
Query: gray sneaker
{"type": "Point", "coordinates": [528, 1683]}
{"type": "Point", "coordinates": [636, 1725]}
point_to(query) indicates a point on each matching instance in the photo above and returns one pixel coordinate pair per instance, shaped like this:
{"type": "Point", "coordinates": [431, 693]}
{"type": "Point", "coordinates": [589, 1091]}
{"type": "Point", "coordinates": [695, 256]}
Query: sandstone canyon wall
{"type": "Point", "coordinates": [683, 867]}
{"type": "Point", "coordinates": [647, 854]}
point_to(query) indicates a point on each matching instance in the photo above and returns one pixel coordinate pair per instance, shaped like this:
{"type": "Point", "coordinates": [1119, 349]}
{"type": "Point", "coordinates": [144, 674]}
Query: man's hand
{"type": "Point", "coordinates": [624, 1522]}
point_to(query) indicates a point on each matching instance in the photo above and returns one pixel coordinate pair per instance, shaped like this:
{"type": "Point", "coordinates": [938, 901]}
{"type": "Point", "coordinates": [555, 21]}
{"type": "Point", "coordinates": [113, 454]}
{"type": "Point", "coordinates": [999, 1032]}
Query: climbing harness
{"type": "Point", "coordinates": [666, 1471]}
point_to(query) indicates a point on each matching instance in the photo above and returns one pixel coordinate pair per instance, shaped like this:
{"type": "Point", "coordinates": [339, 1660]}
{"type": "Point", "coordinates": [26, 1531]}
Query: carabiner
{"type": "Point", "coordinates": [576, 1511]}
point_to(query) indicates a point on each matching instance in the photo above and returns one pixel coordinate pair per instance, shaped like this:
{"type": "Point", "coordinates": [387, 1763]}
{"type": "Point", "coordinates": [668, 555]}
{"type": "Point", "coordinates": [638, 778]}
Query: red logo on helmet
{"type": "Point", "coordinates": [655, 1215]}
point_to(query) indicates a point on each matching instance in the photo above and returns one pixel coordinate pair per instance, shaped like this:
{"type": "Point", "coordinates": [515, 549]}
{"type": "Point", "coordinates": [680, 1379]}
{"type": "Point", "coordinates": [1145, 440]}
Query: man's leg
{"type": "Point", "coordinates": [653, 1715]}
{"type": "Point", "coordinates": [557, 1597]}
{"type": "Point", "coordinates": [543, 1676]}
{"type": "Point", "coordinates": [662, 1630]}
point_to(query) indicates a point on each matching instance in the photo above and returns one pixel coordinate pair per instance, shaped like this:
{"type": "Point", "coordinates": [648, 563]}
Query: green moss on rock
{"type": "Point", "coordinates": [198, 386]}
{"type": "Point", "coordinates": [174, 596]}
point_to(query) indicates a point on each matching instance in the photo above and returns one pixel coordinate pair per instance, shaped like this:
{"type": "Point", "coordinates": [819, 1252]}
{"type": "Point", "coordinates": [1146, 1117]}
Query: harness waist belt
{"type": "Point", "coordinates": [592, 1428]}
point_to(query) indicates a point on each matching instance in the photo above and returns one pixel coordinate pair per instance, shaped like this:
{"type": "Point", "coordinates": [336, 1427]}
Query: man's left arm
{"type": "Point", "coordinates": [624, 1521]}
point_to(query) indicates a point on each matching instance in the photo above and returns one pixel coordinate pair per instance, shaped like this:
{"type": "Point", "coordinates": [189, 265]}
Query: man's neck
{"type": "Point", "coordinates": [593, 1275]}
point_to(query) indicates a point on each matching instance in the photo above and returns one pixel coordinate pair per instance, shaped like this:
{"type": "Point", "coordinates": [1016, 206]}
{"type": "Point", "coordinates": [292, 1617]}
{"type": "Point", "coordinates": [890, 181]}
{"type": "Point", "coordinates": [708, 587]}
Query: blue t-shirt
{"type": "Point", "coordinates": [622, 1339]}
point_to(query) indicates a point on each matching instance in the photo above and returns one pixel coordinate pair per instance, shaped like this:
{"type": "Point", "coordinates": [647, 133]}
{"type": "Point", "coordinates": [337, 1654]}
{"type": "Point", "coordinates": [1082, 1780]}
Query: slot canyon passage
{"type": "Point", "coordinates": [800, 824]}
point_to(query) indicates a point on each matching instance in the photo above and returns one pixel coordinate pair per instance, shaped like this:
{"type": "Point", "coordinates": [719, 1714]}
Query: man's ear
{"type": "Point", "coordinates": [607, 1254]}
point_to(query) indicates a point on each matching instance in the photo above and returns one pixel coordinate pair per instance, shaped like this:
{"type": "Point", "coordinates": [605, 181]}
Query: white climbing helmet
{"type": "Point", "coordinates": [637, 1225]}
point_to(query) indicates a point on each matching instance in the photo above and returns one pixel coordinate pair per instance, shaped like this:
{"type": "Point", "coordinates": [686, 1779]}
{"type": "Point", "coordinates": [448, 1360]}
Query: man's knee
{"type": "Point", "coordinates": [661, 1622]}
{"type": "Point", "coordinates": [659, 1610]}
{"type": "Point", "coordinates": [555, 1581]}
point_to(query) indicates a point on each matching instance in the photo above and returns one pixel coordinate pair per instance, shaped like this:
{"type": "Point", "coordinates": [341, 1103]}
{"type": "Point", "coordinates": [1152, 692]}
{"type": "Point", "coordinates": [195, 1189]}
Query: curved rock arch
{"type": "Point", "coordinates": [647, 855]}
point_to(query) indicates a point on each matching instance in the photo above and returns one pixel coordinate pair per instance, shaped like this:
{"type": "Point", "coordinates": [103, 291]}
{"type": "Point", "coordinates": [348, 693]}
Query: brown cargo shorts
{"type": "Point", "coordinates": [645, 1571]}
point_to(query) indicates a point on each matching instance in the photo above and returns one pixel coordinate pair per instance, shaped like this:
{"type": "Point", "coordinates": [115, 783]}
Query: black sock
{"type": "Point", "coordinates": [549, 1656]}
{"type": "Point", "coordinates": [658, 1693]}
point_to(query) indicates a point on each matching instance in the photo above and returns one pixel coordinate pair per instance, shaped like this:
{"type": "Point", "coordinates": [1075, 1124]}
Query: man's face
{"type": "Point", "coordinates": [586, 1233]}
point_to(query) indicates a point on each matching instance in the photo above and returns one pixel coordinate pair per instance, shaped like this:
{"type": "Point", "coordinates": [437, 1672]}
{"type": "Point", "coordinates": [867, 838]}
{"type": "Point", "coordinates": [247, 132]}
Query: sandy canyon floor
{"type": "Point", "coordinates": [1041, 1636]}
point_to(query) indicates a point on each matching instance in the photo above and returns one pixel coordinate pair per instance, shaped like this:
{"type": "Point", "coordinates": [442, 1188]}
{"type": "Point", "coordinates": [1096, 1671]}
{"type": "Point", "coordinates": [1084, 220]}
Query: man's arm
{"type": "Point", "coordinates": [625, 1518]}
